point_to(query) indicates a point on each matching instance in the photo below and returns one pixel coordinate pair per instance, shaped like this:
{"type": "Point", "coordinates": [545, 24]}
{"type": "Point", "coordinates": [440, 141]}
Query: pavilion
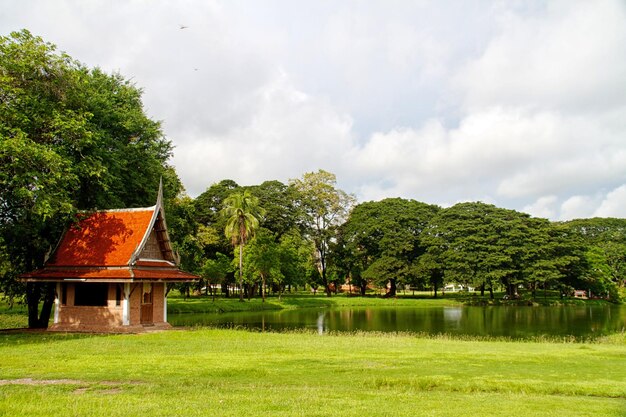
{"type": "Point", "coordinates": [111, 270]}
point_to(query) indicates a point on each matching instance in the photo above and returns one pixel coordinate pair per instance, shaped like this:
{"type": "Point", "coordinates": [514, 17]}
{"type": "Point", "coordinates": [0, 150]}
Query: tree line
{"type": "Point", "coordinates": [75, 138]}
{"type": "Point", "coordinates": [313, 234]}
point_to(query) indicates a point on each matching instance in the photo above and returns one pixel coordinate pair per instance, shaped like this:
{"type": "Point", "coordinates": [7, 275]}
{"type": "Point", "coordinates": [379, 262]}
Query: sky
{"type": "Point", "coordinates": [521, 104]}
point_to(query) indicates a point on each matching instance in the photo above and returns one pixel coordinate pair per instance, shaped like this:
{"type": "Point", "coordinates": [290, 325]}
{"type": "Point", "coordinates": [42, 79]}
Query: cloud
{"type": "Point", "coordinates": [289, 133]}
{"type": "Point", "coordinates": [543, 207]}
{"type": "Point", "coordinates": [521, 104]}
{"type": "Point", "coordinates": [496, 153]}
{"type": "Point", "coordinates": [579, 207]}
{"type": "Point", "coordinates": [614, 204]}
{"type": "Point", "coordinates": [565, 58]}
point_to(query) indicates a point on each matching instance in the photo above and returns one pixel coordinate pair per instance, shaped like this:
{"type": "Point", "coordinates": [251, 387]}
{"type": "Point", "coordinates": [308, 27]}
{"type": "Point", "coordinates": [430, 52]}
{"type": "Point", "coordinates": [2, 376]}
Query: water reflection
{"type": "Point", "coordinates": [320, 323]}
{"type": "Point", "coordinates": [515, 322]}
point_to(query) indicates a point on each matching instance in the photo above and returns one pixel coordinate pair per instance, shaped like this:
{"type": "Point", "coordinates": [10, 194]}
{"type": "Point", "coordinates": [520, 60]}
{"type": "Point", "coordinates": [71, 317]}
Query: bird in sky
{"type": "Point", "coordinates": [183, 26]}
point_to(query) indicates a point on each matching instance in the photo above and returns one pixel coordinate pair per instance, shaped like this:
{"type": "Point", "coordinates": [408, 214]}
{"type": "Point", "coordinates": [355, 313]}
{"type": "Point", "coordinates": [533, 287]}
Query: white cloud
{"type": "Point", "coordinates": [543, 207]}
{"type": "Point", "coordinates": [506, 153]}
{"type": "Point", "coordinates": [566, 58]}
{"type": "Point", "coordinates": [578, 207]}
{"type": "Point", "coordinates": [289, 133]}
{"type": "Point", "coordinates": [614, 204]}
{"type": "Point", "coordinates": [515, 103]}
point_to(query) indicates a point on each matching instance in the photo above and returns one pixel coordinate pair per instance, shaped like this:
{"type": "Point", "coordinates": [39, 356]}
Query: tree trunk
{"type": "Point", "coordinates": [46, 308]}
{"type": "Point", "coordinates": [329, 292]}
{"type": "Point", "coordinates": [33, 295]}
{"type": "Point", "coordinates": [482, 289]}
{"type": "Point", "coordinates": [263, 287]}
{"type": "Point", "coordinates": [392, 288]}
{"type": "Point", "coordinates": [32, 298]}
{"type": "Point", "coordinates": [363, 287]}
{"type": "Point", "coordinates": [241, 273]}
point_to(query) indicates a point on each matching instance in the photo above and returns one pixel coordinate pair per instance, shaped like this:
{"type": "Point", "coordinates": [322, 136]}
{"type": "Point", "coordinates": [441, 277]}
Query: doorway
{"type": "Point", "coordinates": [146, 304]}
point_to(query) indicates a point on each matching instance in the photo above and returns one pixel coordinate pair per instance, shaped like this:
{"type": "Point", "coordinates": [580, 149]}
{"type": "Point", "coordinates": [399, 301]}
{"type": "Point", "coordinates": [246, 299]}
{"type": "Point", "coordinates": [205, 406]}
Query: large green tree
{"type": "Point", "coordinates": [486, 246]}
{"type": "Point", "coordinates": [323, 208]}
{"type": "Point", "coordinates": [263, 259]}
{"type": "Point", "coordinates": [242, 213]}
{"type": "Point", "coordinates": [280, 203]}
{"type": "Point", "coordinates": [384, 240]}
{"type": "Point", "coordinates": [605, 245]}
{"type": "Point", "coordinates": [71, 138]}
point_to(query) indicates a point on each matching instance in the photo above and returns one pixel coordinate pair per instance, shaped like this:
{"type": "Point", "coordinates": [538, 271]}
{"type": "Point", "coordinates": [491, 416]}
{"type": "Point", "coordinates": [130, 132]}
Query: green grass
{"type": "Point", "coordinates": [13, 317]}
{"type": "Point", "coordinates": [233, 373]}
{"type": "Point", "coordinates": [203, 304]}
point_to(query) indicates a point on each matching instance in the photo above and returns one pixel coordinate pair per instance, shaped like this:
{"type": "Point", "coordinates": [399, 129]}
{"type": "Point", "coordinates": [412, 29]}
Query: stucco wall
{"type": "Point", "coordinates": [111, 315]}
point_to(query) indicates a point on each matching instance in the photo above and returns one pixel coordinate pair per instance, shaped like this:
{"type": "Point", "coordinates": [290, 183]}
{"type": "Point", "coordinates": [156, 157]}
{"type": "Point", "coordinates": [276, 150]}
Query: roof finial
{"type": "Point", "coordinates": [159, 201]}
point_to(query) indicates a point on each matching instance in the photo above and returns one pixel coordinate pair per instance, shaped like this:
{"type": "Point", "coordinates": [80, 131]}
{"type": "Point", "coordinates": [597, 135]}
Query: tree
{"type": "Point", "coordinates": [478, 244]}
{"type": "Point", "coordinates": [71, 138]}
{"type": "Point", "coordinates": [263, 259]}
{"type": "Point", "coordinates": [214, 271]}
{"type": "Point", "coordinates": [242, 213]}
{"type": "Point", "coordinates": [323, 208]}
{"type": "Point", "coordinates": [295, 259]}
{"type": "Point", "coordinates": [279, 202]}
{"type": "Point", "coordinates": [385, 238]}
{"type": "Point", "coordinates": [604, 240]}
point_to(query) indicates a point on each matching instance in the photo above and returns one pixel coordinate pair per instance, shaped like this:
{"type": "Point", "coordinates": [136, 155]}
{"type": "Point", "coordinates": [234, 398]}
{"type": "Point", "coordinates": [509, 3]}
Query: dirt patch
{"type": "Point", "coordinates": [30, 381]}
{"type": "Point", "coordinates": [112, 387]}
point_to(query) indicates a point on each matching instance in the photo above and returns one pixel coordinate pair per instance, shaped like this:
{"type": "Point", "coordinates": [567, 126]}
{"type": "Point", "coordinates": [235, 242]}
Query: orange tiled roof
{"type": "Point", "coordinates": [105, 246]}
{"type": "Point", "coordinates": [106, 238]}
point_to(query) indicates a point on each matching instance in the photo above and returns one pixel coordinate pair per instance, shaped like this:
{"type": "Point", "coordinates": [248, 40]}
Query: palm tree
{"type": "Point", "coordinates": [242, 212]}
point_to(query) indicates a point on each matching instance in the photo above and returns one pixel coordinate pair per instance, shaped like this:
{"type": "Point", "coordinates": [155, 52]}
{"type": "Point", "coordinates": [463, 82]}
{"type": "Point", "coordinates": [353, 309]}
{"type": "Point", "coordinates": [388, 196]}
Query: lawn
{"type": "Point", "coordinates": [204, 304]}
{"type": "Point", "coordinates": [234, 372]}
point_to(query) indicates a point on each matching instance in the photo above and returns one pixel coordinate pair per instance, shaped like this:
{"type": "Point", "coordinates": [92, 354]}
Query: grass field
{"type": "Point", "coordinates": [233, 373]}
{"type": "Point", "coordinates": [203, 304]}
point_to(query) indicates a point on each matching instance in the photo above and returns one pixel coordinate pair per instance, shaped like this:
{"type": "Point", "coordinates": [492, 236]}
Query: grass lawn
{"type": "Point", "coordinates": [233, 373]}
{"type": "Point", "coordinates": [204, 304]}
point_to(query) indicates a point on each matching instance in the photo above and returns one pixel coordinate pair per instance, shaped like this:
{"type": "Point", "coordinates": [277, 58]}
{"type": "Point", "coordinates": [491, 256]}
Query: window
{"type": "Point", "coordinates": [118, 295]}
{"type": "Point", "coordinates": [91, 294]}
{"type": "Point", "coordinates": [63, 293]}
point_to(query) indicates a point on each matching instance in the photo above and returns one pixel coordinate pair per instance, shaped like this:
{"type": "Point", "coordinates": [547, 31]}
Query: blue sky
{"type": "Point", "coordinates": [517, 103]}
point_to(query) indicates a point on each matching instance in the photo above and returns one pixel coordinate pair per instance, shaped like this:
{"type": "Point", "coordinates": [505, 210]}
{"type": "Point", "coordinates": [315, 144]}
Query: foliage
{"type": "Point", "coordinates": [279, 202]}
{"type": "Point", "coordinates": [242, 213]}
{"type": "Point", "coordinates": [71, 138]}
{"type": "Point", "coordinates": [323, 208]}
{"type": "Point", "coordinates": [605, 239]}
{"type": "Point", "coordinates": [384, 240]}
{"type": "Point", "coordinates": [481, 245]}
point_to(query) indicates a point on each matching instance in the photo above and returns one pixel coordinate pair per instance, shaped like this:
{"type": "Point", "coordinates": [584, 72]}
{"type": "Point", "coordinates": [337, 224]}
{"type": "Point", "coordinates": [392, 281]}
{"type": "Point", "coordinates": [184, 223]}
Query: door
{"type": "Point", "coordinates": [146, 304]}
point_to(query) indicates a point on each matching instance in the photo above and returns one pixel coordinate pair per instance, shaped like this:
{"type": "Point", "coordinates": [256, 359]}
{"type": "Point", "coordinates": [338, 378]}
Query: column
{"type": "Point", "coordinates": [126, 305]}
{"type": "Point", "coordinates": [57, 303]}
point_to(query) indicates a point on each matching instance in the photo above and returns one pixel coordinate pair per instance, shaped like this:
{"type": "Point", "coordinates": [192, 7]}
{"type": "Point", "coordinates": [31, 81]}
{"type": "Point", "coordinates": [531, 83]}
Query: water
{"type": "Point", "coordinates": [514, 322]}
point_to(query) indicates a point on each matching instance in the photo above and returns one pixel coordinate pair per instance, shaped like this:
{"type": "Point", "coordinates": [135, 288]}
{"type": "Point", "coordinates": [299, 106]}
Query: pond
{"type": "Point", "coordinates": [515, 322]}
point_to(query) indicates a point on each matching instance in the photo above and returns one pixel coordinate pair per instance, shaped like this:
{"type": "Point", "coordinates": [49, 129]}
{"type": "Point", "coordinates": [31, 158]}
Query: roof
{"type": "Point", "coordinates": [107, 238]}
{"type": "Point", "coordinates": [114, 245]}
